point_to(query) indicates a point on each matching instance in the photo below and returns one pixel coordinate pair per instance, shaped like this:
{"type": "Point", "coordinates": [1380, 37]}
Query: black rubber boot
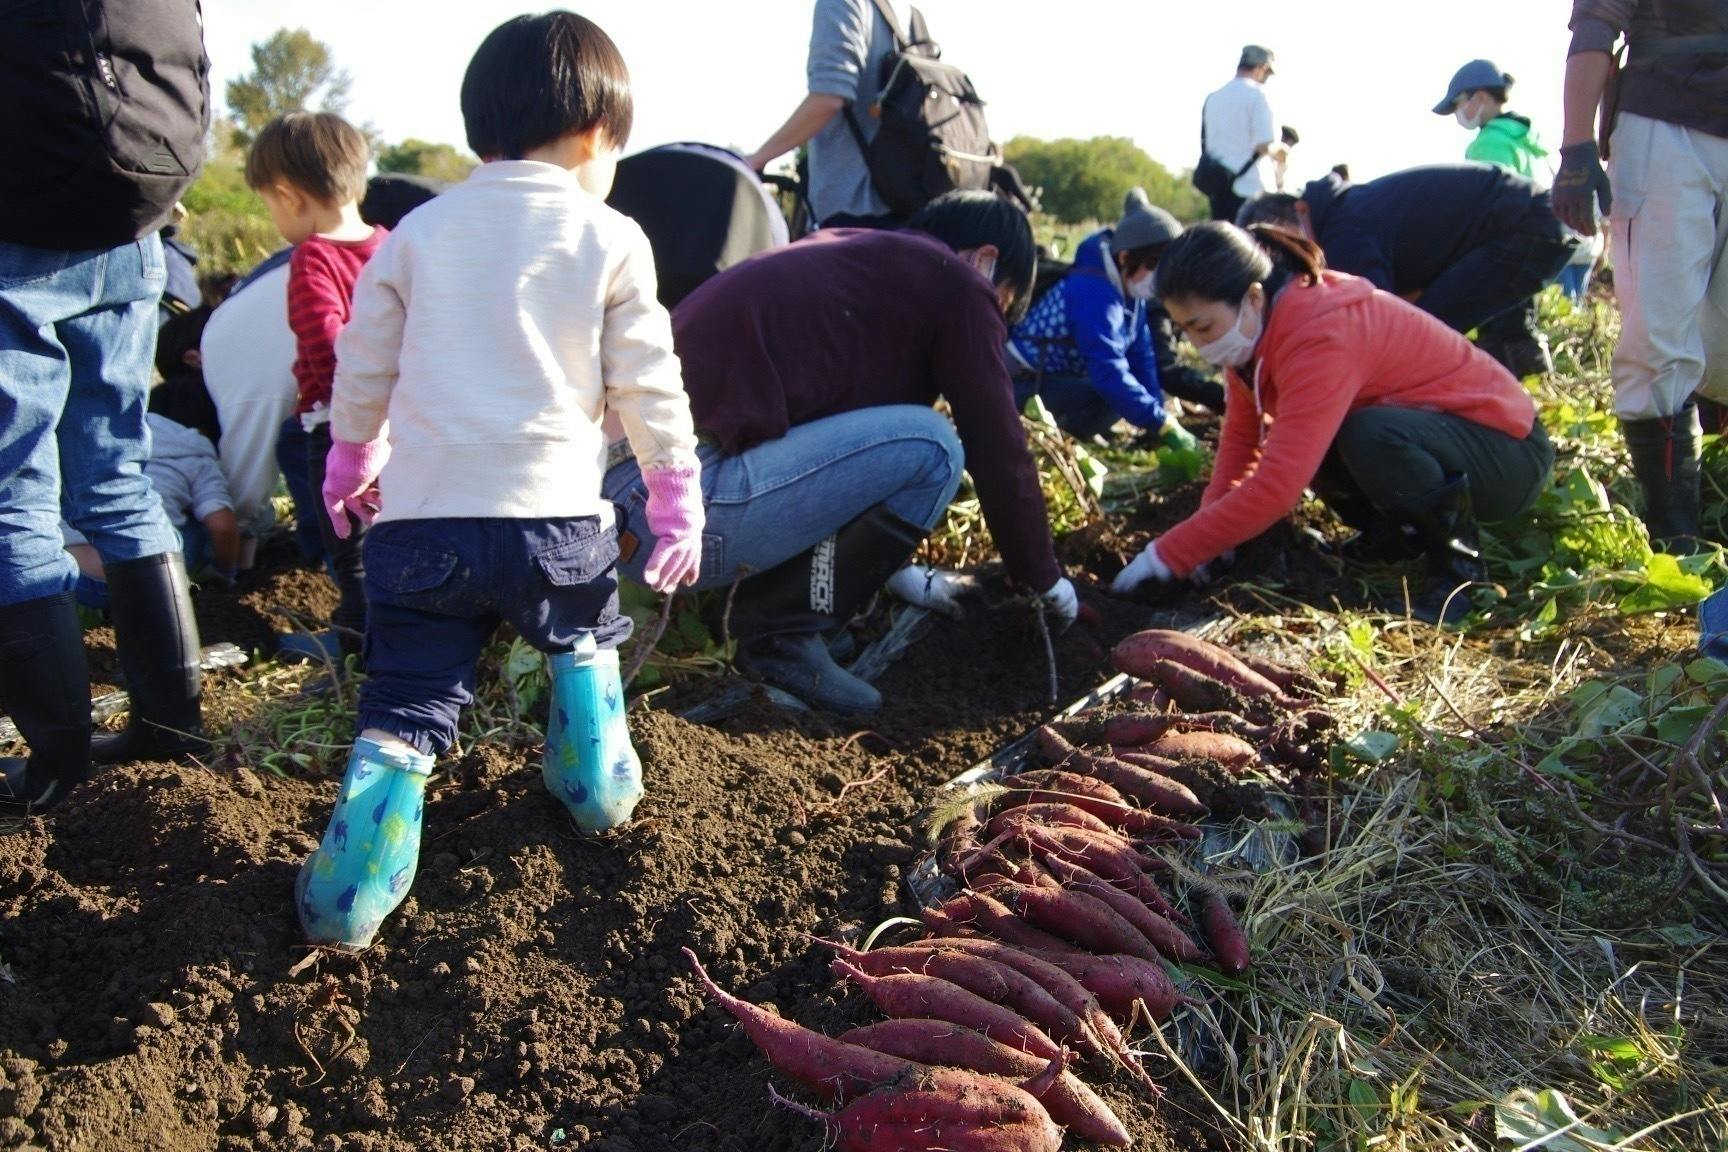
{"type": "Point", "coordinates": [781, 618]}
{"type": "Point", "coordinates": [1378, 539]}
{"type": "Point", "coordinates": [45, 689]}
{"type": "Point", "coordinates": [151, 604]}
{"type": "Point", "coordinates": [1446, 530]}
{"type": "Point", "coordinates": [1665, 458]}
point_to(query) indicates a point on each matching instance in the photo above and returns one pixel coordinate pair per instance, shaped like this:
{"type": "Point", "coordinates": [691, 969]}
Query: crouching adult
{"type": "Point", "coordinates": [811, 371]}
{"type": "Point", "coordinates": [1407, 431]}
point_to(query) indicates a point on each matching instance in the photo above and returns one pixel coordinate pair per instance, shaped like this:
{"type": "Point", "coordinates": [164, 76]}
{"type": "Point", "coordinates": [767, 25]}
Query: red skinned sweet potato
{"type": "Point", "coordinates": [941, 1044]}
{"type": "Point", "coordinates": [1291, 681]}
{"type": "Point", "coordinates": [1150, 697]}
{"type": "Point", "coordinates": [1231, 752]}
{"type": "Point", "coordinates": [943, 1108]}
{"type": "Point", "coordinates": [1053, 814]}
{"type": "Point", "coordinates": [926, 997]}
{"type": "Point", "coordinates": [1146, 787]}
{"type": "Point", "coordinates": [1084, 919]}
{"type": "Point", "coordinates": [1118, 981]}
{"type": "Point", "coordinates": [1138, 654]}
{"type": "Point", "coordinates": [830, 1069]}
{"type": "Point", "coordinates": [1163, 935]}
{"type": "Point", "coordinates": [983, 977]}
{"type": "Point", "coordinates": [1228, 942]}
{"type": "Point", "coordinates": [1096, 797]}
{"type": "Point", "coordinates": [977, 912]}
{"type": "Point", "coordinates": [1067, 872]}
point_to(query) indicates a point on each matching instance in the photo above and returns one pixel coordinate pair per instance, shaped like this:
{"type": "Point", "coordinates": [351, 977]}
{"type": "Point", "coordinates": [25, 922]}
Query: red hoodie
{"type": "Point", "coordinates": [1331, 348]}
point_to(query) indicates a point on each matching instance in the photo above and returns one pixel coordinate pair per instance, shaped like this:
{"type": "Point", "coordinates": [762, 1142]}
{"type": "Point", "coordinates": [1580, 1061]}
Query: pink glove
{"type": "Point", "coordinates": [675, 517]}
{"type": "Point", "coordinates": [351, 482]}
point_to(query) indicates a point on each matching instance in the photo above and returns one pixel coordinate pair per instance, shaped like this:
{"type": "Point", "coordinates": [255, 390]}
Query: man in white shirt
{"type": "Point", "coordinates": [1241, 133]}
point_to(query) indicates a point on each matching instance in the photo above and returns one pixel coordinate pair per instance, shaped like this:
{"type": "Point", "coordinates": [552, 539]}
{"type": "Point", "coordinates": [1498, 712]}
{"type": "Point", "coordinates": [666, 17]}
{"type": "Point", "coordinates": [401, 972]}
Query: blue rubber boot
{"type": "Point", "coordinates": [590, 764]}
{"type": "Point", "coordinates": [366, 862]}
{"type": "Point", "coordinates": [1713, 625]}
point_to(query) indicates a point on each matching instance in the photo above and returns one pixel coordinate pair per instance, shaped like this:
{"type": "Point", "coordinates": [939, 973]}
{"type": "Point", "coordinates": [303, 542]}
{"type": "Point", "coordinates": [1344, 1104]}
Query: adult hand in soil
{"type": "Point", "coordinates": [1580, 181]}
{"type": "Point", "coordinates": [1148, 566]}
{"type": "Point", "coordinates": [351, 482]}
{"type": "Point", "coordinates": [1061, 603]}
{"type": "Point", "coordinates": [934, 588]}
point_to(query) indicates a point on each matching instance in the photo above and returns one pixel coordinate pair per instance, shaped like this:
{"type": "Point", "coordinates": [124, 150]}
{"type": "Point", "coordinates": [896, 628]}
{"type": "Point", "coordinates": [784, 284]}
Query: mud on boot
{"type": "Point", "coordinates": [363, 868]}
{"type": "Point", "coordinates": [1446, 528]}
{"type": "Point", "coordinates": [45, 688]}
{"type": "Point", "coordinates": [590, 764]}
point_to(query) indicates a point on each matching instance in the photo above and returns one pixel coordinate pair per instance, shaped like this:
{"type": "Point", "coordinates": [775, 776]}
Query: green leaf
{"type": "Point", "coordinates": [1678, 725]}
{"type": "Point", "coordinates": [1364, 1099]}
{"type": "Point", "coordinates": [522, 661]}
{"type": "Point", "coordinates": [1684, 935]}
{"type": "Point", "coordinates": [1611, 711]}
{"type": "Point", "coordinates": [1533, 1120]}
{"type": "Point", "coordinates": [1373, 746]}
{"type": "Point", "coordinates": [1666, 585]}
{"type": "Point", "coordinates": [1707, 672]}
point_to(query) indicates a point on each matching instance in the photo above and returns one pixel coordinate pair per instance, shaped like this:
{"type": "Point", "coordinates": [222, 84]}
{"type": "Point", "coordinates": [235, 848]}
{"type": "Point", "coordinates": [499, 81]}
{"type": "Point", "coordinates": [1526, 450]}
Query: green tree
{"type": "Point", "coordinates": [289, 71]}
{"type": "Point", "coordinates": [1086, 180]}
{"type": "Point", "coordinates": [421, 158]}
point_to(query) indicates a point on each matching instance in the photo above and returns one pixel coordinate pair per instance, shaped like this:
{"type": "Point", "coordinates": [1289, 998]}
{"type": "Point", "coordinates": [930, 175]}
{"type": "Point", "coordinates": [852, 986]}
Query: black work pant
{"type": "Point", "coordinates": [1502, 273]}
{"type": "Point", "coordinates": [1387, 462]}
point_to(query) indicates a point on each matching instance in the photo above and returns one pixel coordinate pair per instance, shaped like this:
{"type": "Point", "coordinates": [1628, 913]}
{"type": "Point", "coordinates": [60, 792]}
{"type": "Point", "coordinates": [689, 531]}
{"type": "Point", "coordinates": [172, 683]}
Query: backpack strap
{"type": "Point", "coordinates": [1205, 151]}
{"type": "Point", "coordinates": [901, 44]}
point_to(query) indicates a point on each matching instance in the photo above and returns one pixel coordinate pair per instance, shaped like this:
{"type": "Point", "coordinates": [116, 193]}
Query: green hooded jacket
{"type": "Point", "coordinates": [1507, 142]}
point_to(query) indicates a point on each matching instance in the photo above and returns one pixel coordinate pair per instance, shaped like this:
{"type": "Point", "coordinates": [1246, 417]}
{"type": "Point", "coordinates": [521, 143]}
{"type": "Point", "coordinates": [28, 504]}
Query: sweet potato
{"type": "Point", "coordinates": [1150, 696]}
{"type": "Point", "coordinates": [1138, 654]}
{"type": "Point", "coordinates": [830, 1069]}
{"type": "Point", "coordinates": [942, 1108]}
{"type": "Point", "coordinates": [1163, 935]}
{"type": "Point", "coordinates": [984, 977]}
{"type": "Point", "coordinates": [1051, 977]}
{"type": "Point", "coordinates": [1054, 814]}
{"type": "Point", "coordinates": [938, 1043]}
{"type": "Point", "coordinates": [1095, 796]}
{"type": "Point", "coordinates": [1084, 919]}
{"type": "Point", "coordinates": [1291, 681]}
{"type": "Point", "coordinates": [1195, 691]}
{"type": "Point", "coordinates": [1143, 786]}
{"type": "Point", "coordinates": [1231, 752]}
{"type": "Point", "coordinates": [1228, 942]}
{"type": "Point", "coordinates": [1118, 981]}
{"type": "Point", "coordinates": [976, 912]}
{"type": "Point", "coordinates": [1066, 872]}
{"type": "Point", "coordinates": [926, 997]}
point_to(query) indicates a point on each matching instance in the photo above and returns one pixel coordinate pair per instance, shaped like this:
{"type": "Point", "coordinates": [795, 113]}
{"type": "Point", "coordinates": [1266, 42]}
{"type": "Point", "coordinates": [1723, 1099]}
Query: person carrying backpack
{"type": "Point", "coordinates": [108, 107]}
{"type": "Point", "coordinates": [1239, 139]}
{"type": "Point", "coordinates": [890, 125]}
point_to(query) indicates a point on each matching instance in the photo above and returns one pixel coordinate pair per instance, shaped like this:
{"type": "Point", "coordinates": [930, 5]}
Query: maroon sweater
{"type": "Point", "coordinates": [321, 276]}
{"type": "Point", "coordinates": [850, 319]}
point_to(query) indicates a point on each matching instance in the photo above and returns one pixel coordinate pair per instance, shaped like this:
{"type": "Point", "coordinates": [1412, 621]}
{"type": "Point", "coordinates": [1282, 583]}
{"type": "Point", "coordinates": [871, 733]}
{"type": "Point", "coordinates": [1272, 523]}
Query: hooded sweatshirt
{"type": "Point", "coordinates": [1330, 349]}
{"type": "Point", "coordinates": [1086, 325]}
{"type": "Point", "coordinates": [1507, 142]}
{"type": "Point", "coordinates": [184, 471]}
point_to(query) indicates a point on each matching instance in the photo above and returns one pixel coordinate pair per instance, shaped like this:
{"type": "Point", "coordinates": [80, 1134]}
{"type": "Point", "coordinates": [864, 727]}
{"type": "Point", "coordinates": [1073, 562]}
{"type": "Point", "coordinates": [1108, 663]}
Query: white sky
{"type": "Point", "coordinates": [1357, 78]}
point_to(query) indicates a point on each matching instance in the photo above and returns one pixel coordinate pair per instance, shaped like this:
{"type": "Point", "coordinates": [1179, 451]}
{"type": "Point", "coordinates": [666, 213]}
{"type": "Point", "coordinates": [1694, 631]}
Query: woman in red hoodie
{"type": "Point", "coordinates": [1397, 422]}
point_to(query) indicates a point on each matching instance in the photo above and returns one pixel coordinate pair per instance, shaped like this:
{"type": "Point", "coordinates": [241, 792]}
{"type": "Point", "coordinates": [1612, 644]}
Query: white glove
{"type": "Point", "coordinates": [933, 588]}
{"type": "Point", "coordinates": [1146, 566]}
{"type": "Point", "coordinates": [1061, 602]}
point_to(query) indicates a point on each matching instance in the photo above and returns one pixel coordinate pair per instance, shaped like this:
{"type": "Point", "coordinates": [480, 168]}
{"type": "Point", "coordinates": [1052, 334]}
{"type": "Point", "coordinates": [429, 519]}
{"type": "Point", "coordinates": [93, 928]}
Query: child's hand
{"type": "Point", "coordinates": [351, 482]}
{"type": "Point", "coordinates": [675, 517]}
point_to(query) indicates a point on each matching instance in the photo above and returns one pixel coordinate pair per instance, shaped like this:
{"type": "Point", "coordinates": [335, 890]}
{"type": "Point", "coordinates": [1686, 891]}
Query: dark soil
{"type": "Point", "coordinates": [530, 992]}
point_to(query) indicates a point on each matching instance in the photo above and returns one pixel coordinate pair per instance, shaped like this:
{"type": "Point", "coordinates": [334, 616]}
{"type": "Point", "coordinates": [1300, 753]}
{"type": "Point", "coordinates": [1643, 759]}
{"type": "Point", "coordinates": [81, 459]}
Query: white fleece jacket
{"type": "Point", "coordinates": [492, 332]}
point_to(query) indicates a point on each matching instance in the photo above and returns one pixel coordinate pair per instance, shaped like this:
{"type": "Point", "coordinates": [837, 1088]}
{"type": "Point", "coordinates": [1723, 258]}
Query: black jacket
{"type": "Point", "coordinates": [1401, 231]}
{"type": "Point", "coordinates": [103, 111]}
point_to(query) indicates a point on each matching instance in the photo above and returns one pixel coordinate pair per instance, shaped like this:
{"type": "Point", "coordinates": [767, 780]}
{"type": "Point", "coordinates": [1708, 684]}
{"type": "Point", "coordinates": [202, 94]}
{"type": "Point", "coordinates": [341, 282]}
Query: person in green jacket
{"type": "Point", "coordinates": [1477, 98]}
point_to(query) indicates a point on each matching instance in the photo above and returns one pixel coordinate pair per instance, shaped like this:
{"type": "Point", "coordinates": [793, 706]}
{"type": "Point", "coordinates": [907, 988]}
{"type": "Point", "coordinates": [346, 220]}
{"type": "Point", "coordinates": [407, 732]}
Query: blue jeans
{"type": "Point", "coordinates": [769, 503]}
{"type": "Point", "coordinates": [436, 590]}
{"type": "Point", "coordinates": [77, 342]}
{"type": "Point", "coordinates": [291, 459]}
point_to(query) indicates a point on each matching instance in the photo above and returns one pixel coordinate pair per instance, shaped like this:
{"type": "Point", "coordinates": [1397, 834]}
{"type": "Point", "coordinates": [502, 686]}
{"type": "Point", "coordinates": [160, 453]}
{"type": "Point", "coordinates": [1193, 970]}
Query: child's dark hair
{"type": "Point", "coordinates": [1133, 261]}
{"type": "Point", "coordinates": [536, 79]}
{"type": "Point", "coordinates": [178, 336]}
{"type": "Point", "coordinates": [1275, 208]}
{"type": "Point", "coordinates": [964, 220]}
{"type": "Point", "coordinates": [318, 152]}
{"type": "Point", "coordinates": [1220, 262]}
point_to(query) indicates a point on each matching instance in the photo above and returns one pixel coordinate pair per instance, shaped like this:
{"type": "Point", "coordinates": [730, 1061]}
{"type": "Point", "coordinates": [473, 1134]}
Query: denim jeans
{"type": "Point", "coordinates": [436, 590]}
{"type": "Point", "coordinates": [77, 342]}
{"type": "Point", "coordinates": [769, 503]}
{"type": "Point", "coordinates": [291, 459]}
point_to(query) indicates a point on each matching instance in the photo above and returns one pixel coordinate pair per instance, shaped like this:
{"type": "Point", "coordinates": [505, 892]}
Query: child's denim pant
{"type": "Point", "coordinates": [436, 590]}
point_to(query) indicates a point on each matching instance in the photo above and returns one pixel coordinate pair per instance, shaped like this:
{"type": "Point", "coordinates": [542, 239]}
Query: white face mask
{"type": "Point", "coordinates": [1236, 347]}
{"type": "Point", "coordinates": [1144, 288]}
{"type": "Point", "coordinates": [1468, 121]}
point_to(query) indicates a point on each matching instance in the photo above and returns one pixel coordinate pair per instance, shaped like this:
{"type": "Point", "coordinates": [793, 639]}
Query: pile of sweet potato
{"type": "Point", "coordinates": [1061, 933]}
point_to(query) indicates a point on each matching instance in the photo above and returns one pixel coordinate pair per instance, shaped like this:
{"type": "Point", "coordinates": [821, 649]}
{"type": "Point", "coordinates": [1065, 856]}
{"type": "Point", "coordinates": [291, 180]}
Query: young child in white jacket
{"type": "Point", "coordinates": [492, 334]}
